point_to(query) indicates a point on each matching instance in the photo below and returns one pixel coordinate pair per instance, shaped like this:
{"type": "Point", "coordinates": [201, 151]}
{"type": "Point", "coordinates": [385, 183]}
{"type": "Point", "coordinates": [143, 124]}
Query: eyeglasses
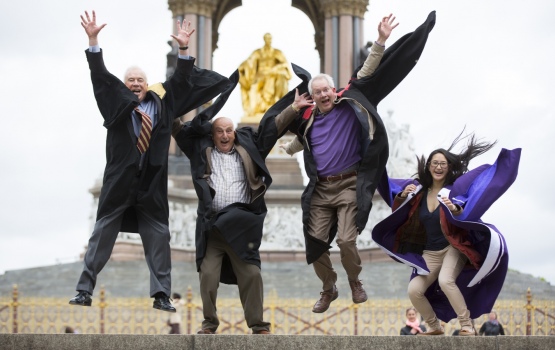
{"type": "Point", "coordinates": [320, 92]}
{"type": "Point", "coordinates": [442, 165]}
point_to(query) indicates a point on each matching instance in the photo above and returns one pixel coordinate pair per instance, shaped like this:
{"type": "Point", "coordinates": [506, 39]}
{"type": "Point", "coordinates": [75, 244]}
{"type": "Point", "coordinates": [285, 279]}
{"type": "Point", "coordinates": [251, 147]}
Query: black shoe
{"type": "Point", "coordinates": [162, 302]}
{"type": "Point", "coordinates": [83, 299]}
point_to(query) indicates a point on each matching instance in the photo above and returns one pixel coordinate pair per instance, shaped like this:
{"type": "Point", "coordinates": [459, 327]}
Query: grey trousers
{"type": "Point", "coordinates": [249, 281]}
{"type": "Point", "coordinates": [335, 202]}
{"type": "Point", "coordinates": [156, 242]}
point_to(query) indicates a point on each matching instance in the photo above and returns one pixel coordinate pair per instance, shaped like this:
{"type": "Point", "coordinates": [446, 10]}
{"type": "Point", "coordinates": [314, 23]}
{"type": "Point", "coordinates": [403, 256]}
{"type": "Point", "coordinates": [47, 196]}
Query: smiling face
{"type": "Point", "coordinates": [323, 95]}
{"type": "Point", "coordinates": [439, 168]}
{"type": "Point", "coordinates": [411, 315]}
{"type": "Point", "coordinates": [135, 80]}
{"type": "Point", "coordinates": [223, 134]}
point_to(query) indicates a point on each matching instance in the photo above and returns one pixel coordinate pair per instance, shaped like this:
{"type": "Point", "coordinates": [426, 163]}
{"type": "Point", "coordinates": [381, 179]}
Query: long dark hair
{"type": "Point", "coordinates": [457, 163]}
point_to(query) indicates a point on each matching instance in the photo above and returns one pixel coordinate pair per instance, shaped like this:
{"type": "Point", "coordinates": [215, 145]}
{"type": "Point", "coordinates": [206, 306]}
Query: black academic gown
{"type": "Point", "coordinates": [188, 88]}
{"type": "Point", "coordinates": [240, 224]}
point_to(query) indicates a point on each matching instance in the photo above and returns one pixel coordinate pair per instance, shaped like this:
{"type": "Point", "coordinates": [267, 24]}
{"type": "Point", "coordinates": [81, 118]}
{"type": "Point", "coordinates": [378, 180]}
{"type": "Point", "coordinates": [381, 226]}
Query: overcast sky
{"type": "Point", "coordinates": [488, 65]}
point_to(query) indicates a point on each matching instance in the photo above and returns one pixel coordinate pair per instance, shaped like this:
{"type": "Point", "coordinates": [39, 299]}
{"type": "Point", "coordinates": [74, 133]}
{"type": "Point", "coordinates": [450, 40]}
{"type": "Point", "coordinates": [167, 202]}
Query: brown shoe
{"type": "Point", "coordinates": [467, 332]}
{"type": "Point", "coordinates": [206, 331]}
{"type": "Point", "coordinates": [261, 331]}
{"type": "Point", "coordinates": [326, 297]}
{"type": "Point", "coordinates": [359, 294]}
{"type": "Point", "coordinates": [432, 332]}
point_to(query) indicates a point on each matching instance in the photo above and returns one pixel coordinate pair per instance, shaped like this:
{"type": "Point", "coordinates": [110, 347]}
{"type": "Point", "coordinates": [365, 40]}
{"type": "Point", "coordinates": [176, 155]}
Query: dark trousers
{"type": "Point", "coordinates": [249, 281]}
{"type": "Point", "coordinates": [156, 242]}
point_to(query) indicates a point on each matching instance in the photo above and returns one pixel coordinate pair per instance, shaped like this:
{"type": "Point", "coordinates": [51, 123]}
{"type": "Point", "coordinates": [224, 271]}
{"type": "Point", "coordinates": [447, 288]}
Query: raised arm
{"type": "Point", "coordinates": [286, 117]}
{"type": "Point", "coordinates": [190, 87]}
{"type": "Point", "coordinates": [300, 102]}
{"type": "Point", "coordinates": [91, 28]}
{"type": "Point", "coordinates": [113, 97]}
{"type": "Point", "coordinates": [183, 36]}
{"type": "Point", "coordinates": [272, 127]}
{"type": "Point", "coordinates": [385, 27]}
{"type": "Point", "coordinates": [397, 61]}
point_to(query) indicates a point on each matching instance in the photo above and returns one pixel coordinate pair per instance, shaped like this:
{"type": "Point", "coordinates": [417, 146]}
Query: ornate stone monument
{"type": "Point", "coordinates": [283, 235]}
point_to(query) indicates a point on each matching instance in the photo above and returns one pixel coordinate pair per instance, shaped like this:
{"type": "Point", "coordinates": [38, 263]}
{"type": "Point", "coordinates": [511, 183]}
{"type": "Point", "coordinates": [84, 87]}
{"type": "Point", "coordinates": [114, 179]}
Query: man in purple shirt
{"type": "Point", "coordinates": [345, 153]}
{"type": "Point", "coordinates": [334, 137]}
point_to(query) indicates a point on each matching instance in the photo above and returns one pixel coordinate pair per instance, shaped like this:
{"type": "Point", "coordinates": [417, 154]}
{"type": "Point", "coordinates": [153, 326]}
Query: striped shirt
{"type": "Point", "coordinates": [228, 179]}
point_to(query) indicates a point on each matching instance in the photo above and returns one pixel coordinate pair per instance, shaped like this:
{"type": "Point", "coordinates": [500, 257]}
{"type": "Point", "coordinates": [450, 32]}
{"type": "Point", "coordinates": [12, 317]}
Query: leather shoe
{"type": "Point", "coordinates": [467, 332]}
{"type": "Point", "coordinates": [162, 302]}
{"type": "Point", "coordinates": [206, 331]}
{"type": "Point", "coordinates": [82, 299]}
{"type": "Point", "coordinates": [432, 332]}
{"type": "Point", "coordinates": [261, 331]}
{"type": "Point", "coordinates": [326, 297]}
{"type": "Point", "coordinates": [359, 294]}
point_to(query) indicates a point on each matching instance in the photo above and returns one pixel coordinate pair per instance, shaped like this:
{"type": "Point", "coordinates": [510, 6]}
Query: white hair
{"type": "Point", "coordinates": [134, 68]}
{"type": "Point", "coordinates": [321, 76]}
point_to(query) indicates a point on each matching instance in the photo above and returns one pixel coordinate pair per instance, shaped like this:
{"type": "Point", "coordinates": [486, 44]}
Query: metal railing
{"type": "Point", "coordinates": [287, 316]}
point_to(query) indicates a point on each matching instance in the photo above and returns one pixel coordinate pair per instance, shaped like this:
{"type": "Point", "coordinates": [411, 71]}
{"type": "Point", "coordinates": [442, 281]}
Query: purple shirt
{"type": "Point", "coordinates": [335, 140]}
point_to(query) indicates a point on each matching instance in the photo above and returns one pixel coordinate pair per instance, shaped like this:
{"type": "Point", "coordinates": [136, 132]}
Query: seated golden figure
{"type": "Point", "coordinates": [264, 78]}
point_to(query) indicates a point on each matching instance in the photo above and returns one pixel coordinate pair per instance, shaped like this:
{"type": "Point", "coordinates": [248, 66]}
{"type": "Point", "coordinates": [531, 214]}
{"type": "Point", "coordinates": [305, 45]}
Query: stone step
{"type": "Point", "coordinates": [256, 342]}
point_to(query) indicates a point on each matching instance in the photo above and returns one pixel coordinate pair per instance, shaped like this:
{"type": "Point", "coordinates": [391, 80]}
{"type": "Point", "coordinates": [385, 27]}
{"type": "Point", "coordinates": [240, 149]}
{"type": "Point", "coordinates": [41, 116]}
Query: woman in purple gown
{"type": "Point", "coordinates": [459, 263]}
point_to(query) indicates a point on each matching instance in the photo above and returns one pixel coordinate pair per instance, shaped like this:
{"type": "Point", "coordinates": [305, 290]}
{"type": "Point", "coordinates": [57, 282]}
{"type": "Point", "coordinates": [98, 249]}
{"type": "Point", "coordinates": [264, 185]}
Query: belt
{"type": "Point", "coordinates": [332, 178]}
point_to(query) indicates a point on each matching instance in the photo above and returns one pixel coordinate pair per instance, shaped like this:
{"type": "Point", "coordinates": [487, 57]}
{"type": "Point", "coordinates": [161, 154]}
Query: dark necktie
{"type": "Point", "coordinates": [146, 130]}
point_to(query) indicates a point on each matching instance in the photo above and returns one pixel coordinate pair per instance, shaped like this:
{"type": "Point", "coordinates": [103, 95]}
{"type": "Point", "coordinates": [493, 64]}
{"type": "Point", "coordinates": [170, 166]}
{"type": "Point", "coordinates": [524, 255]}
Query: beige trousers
{"type": "Point", "coordinates": [331, 203]}
{"type": "Point", "coordinates": [249, 281]}
{"type": "Point", "coordinates": [445, 265]}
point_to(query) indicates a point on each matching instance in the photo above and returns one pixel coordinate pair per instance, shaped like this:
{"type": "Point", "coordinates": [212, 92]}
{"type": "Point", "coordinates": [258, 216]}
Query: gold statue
{"type": "Point", "coordinates": [264, 80]}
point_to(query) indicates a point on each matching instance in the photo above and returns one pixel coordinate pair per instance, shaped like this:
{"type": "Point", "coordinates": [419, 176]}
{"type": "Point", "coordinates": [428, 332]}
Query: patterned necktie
{"type": "Point", "coordinates": [146, 130]}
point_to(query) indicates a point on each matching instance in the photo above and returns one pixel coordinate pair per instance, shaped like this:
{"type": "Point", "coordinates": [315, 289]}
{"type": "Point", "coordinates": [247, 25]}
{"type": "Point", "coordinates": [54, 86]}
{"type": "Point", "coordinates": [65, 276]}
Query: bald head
{"type": "Point", "coordinates": [223, 134]}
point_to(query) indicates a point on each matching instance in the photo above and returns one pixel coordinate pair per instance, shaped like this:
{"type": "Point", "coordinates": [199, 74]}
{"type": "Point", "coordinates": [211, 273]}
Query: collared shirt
{"type": "Point", "coordinates": [228, 179]}
{"type": "Point", "coordinates": [147, 106]}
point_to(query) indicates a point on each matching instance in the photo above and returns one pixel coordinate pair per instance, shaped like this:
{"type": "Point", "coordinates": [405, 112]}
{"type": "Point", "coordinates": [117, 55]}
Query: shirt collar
{"type": "Point", "coordinates": [233, 150]}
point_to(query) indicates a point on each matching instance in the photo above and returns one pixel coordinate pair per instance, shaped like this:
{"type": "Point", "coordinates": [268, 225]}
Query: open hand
{"type": "Point", "coordinates": [91, 28]}
{"type": "Point", "coordinates": [183, 33]}
{"type": "Point", "coordinates": [302, 101]}
{"type": "Point", "coordinates": [385, 27]}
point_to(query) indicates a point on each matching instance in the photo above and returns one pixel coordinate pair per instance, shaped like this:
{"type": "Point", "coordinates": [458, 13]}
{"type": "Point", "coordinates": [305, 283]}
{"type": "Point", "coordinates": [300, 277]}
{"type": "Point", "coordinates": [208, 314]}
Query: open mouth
{"type": "Point", "coordinates": [224, 143]}
{"type": "Point", "coordinates": [438, 173]}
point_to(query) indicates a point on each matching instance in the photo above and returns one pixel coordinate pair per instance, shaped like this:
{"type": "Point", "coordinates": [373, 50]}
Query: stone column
{"type": "Point", "coordinates": [343, 28]}
{"type": "Point", "coordinates": [199, 12]}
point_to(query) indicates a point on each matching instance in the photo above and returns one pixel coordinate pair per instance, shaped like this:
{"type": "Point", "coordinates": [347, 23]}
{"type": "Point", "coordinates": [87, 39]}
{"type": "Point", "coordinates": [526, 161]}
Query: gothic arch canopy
{"type": "Point", "coordinates": [318, 11]}
{"type": "Point", "coordinates": [311, 8]}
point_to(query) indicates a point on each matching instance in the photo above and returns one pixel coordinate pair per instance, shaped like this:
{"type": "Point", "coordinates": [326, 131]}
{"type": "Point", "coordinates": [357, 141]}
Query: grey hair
{"type": "Point", "coordinates": [128, 70]}
{"type": "Point", "coordinates": [321, 76]}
